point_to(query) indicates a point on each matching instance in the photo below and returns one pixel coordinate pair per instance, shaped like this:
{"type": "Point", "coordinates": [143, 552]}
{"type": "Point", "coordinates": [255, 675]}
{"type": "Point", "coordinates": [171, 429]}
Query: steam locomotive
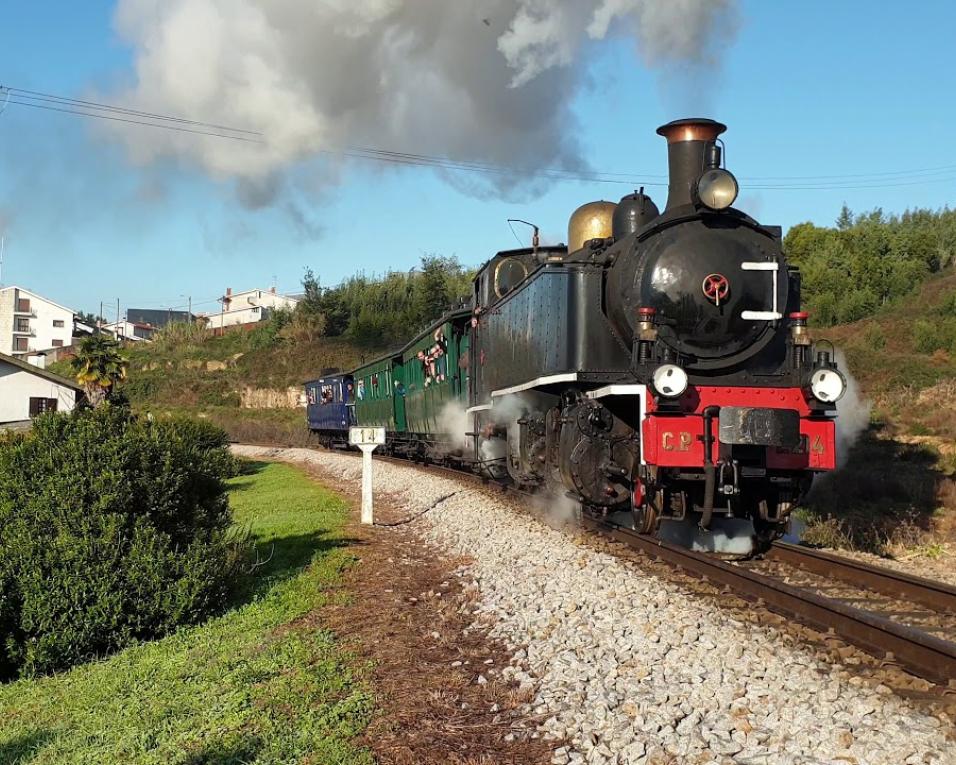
{"type": "Point", "coordinates": [658, 366]}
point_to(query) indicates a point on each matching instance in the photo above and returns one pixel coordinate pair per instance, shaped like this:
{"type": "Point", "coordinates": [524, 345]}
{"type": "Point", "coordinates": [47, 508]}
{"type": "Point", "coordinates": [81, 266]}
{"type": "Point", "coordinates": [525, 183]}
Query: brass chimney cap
{"type": "Point", "coordinates": [691, 129]}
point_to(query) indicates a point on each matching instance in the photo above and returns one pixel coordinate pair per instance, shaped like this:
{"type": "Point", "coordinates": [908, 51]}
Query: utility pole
{"type": "Point", "coordinates": [118, 330]}
{"type": "Point", "coordinates": [99, 318]}
{"type": "Point", "coordinates": [2, 242]}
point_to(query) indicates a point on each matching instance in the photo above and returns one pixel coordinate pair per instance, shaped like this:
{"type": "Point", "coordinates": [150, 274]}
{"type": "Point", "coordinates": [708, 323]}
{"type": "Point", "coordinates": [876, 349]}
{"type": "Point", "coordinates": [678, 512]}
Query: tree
{"type": "Point", "coordinates": [88, 317]}
{"type": "Point", "coordinates": [845, 221]}
{"type": "Point", "coordinates": [99, 365]}
{"type": "Point", "coordinates": [312, 299]}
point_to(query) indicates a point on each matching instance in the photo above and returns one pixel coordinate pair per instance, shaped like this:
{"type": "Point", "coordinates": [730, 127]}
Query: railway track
{"type": "Point", "coordinates": [903, 621]}
{"type": "Point", "coordinates": [918, 650]}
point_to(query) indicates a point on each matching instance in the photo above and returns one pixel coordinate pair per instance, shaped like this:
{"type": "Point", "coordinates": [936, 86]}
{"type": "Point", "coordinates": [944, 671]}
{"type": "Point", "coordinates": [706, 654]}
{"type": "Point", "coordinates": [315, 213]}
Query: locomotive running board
{"type": "Point", "coordinates": [633, 389]}
{"type": "Point", "coordinates": [549, 380]}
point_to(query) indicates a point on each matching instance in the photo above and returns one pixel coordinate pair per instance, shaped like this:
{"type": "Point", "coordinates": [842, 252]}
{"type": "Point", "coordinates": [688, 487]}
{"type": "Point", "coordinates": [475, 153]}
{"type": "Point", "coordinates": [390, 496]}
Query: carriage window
{"type": "Point", "coordinates": [327, 394]}
{"type": "Point", "coordinates": [509, 273]}
{"type": "Point", "coordinates": [360, 389]}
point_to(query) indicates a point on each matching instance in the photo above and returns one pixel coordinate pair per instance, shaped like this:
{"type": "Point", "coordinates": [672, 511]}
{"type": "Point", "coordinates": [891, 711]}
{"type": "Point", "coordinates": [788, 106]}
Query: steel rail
{"type": "Point", "coordinates": [936, 595]}
{"type": "Point", "coordinates": [921, 653]}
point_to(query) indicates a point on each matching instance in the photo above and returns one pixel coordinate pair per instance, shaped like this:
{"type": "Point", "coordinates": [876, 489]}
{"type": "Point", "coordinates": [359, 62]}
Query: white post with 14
{"type": "Point", "coordinates": [367, 439]}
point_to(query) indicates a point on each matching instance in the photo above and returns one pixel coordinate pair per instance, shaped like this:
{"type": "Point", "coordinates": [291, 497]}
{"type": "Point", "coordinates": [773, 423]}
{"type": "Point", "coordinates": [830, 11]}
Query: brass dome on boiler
{"type": "Point", "coordinates": [590, 221]}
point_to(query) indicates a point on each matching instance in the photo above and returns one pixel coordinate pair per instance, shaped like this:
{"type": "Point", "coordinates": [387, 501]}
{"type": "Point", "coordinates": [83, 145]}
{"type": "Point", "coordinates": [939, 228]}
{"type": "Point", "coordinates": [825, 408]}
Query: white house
{"type": "Point", "coordinates": [129, 330]}
{"type": "Point", "coordinates": [248, 307]}
{"type": "Point", "coordinates": [30, 322]}
{"type": "Point", "coordinates": [26, 391]}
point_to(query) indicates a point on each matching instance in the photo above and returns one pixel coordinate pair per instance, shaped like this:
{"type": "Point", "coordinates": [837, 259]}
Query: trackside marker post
{"type": "Point", "coordinates": [367, 439]}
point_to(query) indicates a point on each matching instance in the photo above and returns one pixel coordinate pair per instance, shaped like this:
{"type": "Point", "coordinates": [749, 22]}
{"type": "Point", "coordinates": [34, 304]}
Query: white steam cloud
{"type": "Point", "coordinates": [488, 81]}
{"type": "Point", "coordinates": [853, 412]}
{"type": "Point", "coordinates": [457, 423]}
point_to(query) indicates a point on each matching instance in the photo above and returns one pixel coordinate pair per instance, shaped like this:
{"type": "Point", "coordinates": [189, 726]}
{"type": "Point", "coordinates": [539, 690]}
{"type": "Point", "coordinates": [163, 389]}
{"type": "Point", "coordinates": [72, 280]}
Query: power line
{"type": "Point", "coordinates": [135, 122]}
{"type": "Point", "coordinates": [92, 109]}
{"type": "Point", "coordinates": [51, 98]}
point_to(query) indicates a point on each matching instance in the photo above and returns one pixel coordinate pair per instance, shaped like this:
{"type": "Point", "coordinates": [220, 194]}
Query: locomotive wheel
{"type": "Point", "coordinates": [645, 519]}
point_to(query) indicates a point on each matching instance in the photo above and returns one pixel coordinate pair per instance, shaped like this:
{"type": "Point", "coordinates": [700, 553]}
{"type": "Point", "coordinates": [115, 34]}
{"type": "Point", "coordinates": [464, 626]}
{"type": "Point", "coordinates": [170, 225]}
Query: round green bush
{"type": "Point", "coordinates": [114, 529]}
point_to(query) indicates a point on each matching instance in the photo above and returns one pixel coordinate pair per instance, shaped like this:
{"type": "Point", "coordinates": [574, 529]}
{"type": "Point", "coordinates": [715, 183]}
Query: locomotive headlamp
{"type": "Point", "coordinates": [669, 380]}
{"type": "Point", "coordinates": [717, 189]}
{"type": "Point", "coordinates": [827, 385]}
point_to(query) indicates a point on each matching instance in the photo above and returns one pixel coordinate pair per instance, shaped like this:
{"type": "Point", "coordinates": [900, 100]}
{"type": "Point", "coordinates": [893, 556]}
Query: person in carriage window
{"type": "Point", "coordinates": [439, 353]}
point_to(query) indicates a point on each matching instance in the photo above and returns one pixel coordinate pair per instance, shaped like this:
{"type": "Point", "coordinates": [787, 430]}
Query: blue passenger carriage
{"type": "Point", "coordinates": [330, 407]}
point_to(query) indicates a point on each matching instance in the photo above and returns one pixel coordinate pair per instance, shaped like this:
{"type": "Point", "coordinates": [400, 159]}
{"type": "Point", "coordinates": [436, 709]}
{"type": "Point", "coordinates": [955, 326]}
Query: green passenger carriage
{"type": "Point", "coordinates": [408, 391]}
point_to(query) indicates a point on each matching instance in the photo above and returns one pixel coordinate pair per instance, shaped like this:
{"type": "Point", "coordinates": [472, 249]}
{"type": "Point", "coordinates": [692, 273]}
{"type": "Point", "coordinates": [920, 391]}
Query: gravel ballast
{"type": "Point", "coordinates": [630, 668]}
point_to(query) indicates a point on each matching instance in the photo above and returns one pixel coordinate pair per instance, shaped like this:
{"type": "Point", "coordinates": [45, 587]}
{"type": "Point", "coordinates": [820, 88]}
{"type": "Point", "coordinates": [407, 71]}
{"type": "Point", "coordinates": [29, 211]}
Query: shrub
{"type": "Point", "coordinates": [948, 306]}
{"type": "Point", "coordinates": [926, 339]}
{"type": "Point", "coordinates": [114, 529]}
{"type": "Point", "coordinates": [930, 336]}
{"type": "Point", "coordinates": [181, 334]}
{"type": "Point", "coordinates": [874, 338]}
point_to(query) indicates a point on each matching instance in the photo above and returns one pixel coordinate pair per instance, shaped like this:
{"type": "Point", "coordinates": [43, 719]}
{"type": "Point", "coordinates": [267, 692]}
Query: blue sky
{"type": "Point", "coordinates": [807, 89]}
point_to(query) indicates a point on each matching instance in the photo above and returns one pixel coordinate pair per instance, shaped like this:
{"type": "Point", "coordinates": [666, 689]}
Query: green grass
{"type": "Point", "coordinates": [260, 684]}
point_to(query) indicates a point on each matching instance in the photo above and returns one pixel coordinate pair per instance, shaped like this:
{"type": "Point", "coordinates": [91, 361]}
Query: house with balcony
{"type": "Point", "coordinates": [30, 323]}
{"type": "Point", "coordinates": [248, 307]}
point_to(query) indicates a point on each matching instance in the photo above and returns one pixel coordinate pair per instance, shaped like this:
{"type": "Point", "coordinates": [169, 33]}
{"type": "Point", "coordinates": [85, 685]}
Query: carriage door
{"type": "Point", "coordinates": [398, 399]}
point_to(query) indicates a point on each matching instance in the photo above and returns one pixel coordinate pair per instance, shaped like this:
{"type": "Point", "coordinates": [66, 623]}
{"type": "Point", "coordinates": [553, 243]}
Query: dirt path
{"type": "Point", "coordinates": [435, 674]}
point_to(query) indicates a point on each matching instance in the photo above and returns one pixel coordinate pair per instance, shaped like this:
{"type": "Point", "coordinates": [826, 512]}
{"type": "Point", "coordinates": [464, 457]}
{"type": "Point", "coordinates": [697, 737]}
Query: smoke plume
{"type": "Point", "coordinates": [488, 81]}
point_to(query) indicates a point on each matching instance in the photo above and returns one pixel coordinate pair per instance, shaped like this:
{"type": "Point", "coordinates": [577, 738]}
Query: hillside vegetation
{"type": "Point", "coordinates": [868, 261]}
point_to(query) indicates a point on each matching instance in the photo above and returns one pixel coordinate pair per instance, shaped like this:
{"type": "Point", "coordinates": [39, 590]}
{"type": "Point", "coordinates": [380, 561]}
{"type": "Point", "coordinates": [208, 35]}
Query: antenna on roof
{"type": "Point", "coordinates": [2, 242]}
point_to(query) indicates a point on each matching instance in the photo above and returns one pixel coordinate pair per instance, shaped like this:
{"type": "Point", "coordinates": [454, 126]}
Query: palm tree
{"type": "Point", "coordinates": [99, 365]}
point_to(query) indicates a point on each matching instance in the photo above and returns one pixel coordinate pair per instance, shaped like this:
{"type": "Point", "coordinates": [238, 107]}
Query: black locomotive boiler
{"type": "Point", "coordinates": [660, 362]}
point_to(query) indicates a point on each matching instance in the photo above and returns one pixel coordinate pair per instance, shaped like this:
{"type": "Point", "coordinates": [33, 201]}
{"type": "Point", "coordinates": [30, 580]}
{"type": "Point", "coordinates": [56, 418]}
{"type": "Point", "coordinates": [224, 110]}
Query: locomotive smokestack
{"type": "Point", "coordinates": [691, 149]}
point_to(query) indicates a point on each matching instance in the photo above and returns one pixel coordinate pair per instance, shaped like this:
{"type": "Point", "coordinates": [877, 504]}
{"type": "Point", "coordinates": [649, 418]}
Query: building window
{"type": "Point", "coordinates": [40, 406]}
{"type": "Point", "coordinates": [23, 325]}
{"type": "Point", "coordinates": [57, 343]}
{"type": "Point", "coordinates": [58, 322]}
{"type": "Point", "coordinates": [20, 344]}
{"type": "Point", "coordinates": [23, 305]}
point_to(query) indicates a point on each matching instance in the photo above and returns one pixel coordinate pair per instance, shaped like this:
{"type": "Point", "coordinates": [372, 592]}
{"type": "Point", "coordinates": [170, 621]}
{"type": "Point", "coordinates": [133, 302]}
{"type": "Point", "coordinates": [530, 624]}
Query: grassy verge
{"type": "Point", "coordinates": [887, 499]}
{"type": "Point", "coordinates": [261, 684]}
{"type": "Point", "coordinates": [283, 427]}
